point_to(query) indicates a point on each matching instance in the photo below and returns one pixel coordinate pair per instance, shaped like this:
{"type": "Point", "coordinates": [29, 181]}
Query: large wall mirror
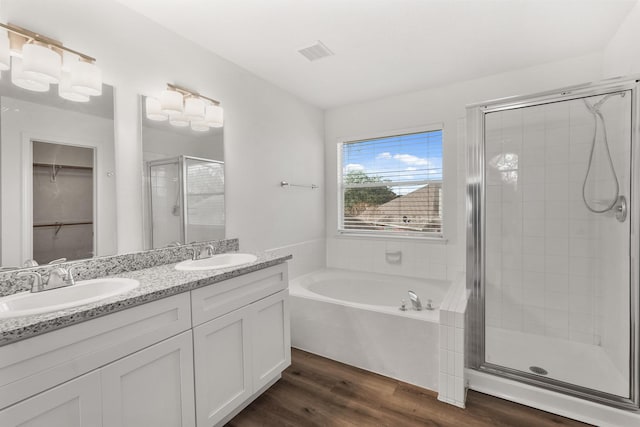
{"type": "Point", "coordinates": [183, 183]}
{"type": "Point", "coordinates": [57, 183]}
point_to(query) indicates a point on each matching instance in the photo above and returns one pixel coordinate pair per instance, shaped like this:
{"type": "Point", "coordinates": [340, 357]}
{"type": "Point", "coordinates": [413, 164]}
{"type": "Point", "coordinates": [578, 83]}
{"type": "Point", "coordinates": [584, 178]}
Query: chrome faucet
{"type": "Point", "coordinates": [210, 250]}
{"type": "Point", "coordinates": [195, 253]}
{"type": "Point", "coordinates": [415, 301]}
{"type": "Point", "coordinates": [37, 285]}
{"type": "Point", "coordinates": [58, 278]}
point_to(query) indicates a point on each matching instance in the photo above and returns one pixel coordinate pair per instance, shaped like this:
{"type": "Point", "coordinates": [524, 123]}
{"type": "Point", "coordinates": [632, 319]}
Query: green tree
{"type": "Point", "coordinates": [356, 200]}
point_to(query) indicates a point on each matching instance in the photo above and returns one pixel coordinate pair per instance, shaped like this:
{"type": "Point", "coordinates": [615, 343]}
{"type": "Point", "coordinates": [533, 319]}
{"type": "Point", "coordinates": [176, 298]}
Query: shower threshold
{"type": "Point", "coordinates": [585, 365]}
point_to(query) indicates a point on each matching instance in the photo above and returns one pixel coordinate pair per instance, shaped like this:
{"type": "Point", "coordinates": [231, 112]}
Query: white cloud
{"type": "Point", "coordinates": [386, 155]}
{"type": "Point", "coordinates": [412, 160]}
{"type": "Point", "coordinates": [411, 168]}
{"type": "Point", "coordinates": [353, 167]}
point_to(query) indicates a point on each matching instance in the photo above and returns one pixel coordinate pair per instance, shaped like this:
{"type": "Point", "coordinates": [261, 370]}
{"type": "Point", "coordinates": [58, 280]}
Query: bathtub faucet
{"type": "Point", "coordinates": [415, 301]}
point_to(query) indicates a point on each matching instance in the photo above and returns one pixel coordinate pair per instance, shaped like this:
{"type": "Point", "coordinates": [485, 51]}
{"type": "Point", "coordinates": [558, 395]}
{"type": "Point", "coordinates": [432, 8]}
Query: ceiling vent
{"type": "Point", "coordinates": [315, 52]}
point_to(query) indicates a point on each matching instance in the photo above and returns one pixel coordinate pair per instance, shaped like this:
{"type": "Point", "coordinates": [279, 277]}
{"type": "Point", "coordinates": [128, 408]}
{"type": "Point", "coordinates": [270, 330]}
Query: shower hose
{"type": "Point", "coordinates": [597, 114]}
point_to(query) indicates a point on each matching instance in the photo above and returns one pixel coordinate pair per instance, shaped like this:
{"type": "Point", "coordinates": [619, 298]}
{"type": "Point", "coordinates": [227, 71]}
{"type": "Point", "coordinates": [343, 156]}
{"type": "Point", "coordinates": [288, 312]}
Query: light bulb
{"type": "Point", "coordinates": [153, 111]}
{"type": "Point", "coordinates": [86, 78]}
{"type": "Point", "coordinates": [65, 91]}
{"type": "Point", "coordinates": [179, 120]}
{"type": "Point", "coordinates": [19, 79]}
{"type": "Point", "coordinates": [171, 102]}
{"type": "Point", "coordinates": [214, 116]}
{"type": "Point", "coordinates": [194, 108]}
{"type": "Point", "coordinates": [199, 126]}
{"type": "Point", "coordinates": [41, 63]}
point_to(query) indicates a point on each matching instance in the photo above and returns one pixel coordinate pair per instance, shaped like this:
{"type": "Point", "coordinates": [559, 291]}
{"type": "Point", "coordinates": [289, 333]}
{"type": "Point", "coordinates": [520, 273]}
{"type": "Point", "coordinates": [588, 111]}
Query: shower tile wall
{"type": "Point", "coordinates": [544, 249]}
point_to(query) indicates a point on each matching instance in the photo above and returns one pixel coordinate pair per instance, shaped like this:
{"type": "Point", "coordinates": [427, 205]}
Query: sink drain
{"type": "Point", "coordinates": [538, 370]}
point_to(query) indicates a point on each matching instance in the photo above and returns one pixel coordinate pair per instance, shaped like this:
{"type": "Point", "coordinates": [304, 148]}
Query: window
{"type": "Point", "coordinates": [392, 185]}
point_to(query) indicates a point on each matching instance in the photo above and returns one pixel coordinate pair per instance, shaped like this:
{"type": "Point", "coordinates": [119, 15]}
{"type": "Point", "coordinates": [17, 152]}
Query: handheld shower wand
{"type": "Point", "coordinates": [618, 203]}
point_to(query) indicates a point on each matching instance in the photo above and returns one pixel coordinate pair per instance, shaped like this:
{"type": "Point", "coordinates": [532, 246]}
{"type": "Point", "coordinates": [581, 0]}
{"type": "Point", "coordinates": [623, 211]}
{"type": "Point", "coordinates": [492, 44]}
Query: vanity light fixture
{"type": "Point", "coordinates": [37, 61]}
{"type": "Point", "coordinates": [184, 107]}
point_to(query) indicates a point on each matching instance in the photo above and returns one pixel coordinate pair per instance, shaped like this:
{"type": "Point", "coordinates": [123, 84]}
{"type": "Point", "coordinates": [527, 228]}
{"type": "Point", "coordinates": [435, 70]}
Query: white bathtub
{"type": "Point", "coordinates": [354, 317]}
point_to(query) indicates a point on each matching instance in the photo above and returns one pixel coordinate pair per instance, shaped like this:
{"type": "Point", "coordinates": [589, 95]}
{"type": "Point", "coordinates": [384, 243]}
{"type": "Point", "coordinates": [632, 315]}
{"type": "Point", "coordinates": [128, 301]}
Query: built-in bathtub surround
{"type": "Point", "coordinates": [355, 318]}
{"type": "Point", "coordinates": [156, 282]}
{"type": "Point", "coordinates": [425, 259]}
{"type": "Point", "coordinates": [452, 384]}
{"type": "Point", "coordinates": [92, 268]}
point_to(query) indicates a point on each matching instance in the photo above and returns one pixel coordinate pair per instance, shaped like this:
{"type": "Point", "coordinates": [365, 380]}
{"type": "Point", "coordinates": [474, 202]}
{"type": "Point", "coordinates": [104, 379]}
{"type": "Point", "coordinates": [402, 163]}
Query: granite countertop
{"type": "Point", "coordinates": [155, 283]}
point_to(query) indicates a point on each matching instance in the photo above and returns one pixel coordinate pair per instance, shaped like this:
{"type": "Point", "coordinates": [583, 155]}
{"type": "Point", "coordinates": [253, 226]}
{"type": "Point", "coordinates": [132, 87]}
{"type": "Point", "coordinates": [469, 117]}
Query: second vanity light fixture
{"type": "Point", "coordinates": [37, 61]}
{"type": "Point", "coordinates": [184, 107]}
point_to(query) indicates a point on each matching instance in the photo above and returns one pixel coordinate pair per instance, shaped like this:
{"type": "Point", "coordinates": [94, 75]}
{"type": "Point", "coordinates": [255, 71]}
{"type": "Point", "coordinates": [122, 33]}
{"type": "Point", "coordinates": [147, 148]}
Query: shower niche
{"type": "Point", "coordinates": [186, 200]}
{"type": "Point", "coordinates": [552, 231]}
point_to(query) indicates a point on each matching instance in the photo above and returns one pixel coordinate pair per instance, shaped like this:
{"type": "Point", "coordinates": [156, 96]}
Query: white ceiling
{"type": "Point", "coordinates": [386, 47]}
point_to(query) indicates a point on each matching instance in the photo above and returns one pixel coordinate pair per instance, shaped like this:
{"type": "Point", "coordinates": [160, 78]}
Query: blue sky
{"type": "Point", "coordinates": [411, 157]}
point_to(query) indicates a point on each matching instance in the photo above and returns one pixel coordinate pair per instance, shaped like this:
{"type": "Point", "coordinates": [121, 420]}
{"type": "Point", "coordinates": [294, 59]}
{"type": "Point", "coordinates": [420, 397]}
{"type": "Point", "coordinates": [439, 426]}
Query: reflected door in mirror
{"type": "Point", "coordinates": [63, 183]}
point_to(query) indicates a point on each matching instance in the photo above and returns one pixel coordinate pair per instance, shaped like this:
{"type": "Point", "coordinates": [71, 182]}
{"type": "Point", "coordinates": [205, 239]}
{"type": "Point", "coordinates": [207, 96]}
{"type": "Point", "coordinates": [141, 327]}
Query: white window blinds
{"type": "Point", "coordinates": [392, 184]}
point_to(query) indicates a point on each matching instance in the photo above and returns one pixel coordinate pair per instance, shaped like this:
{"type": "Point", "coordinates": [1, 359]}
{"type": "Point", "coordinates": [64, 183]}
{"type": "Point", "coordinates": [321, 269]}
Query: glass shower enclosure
{"type": "Point", "coordinates": [553, 240]}
{"type": "Point", "coordinates": [186, 200]}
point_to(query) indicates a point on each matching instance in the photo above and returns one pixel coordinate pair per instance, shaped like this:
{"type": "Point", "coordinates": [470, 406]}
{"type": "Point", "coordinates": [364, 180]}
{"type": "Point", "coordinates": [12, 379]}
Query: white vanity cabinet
{"type": "Point", "coordinates": [239, 354]}
{"type": "Point", "coordinates": [196, 358]}
{"type": "Point", "coordinates": [133, 354]}
{"type": "Point", "coordinates": [76, 403]}
{"type": "Point", "coordinates": [153, 387]}
{"type": "Point", "coordinates": [222, 363]}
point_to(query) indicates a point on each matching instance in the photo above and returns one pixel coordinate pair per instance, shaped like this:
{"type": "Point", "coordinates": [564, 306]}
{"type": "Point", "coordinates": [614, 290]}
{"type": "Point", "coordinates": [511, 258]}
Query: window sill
{"type": "Point", "coordinates": [436, 239]}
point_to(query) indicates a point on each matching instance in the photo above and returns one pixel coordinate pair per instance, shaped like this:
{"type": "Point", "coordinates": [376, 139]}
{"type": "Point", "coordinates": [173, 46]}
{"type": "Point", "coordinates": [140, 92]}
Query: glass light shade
{"type": "Point", "coordinates": [199, 126]}
{"type": "Point", "coordinates": [41, 63]}
{"type": "Point", "coordinates": [5, 60]}
{"type": "Point", "coordinates": [86, 78]}
{"type": "Point", "coordinates": [179, 120]}
{"type": "Point", "coordinates": [68, 59]}
{"type": "Point", "coordinates": [214, 116]}
{"type": "Point", "coordinates": [194, 108]}
{"type": "Point", "coordinates": [171, 102]}
{"type": "Point", "coordinates": [19, 79]}
{"type": "Point", "coordinates": [65, 91]}
{"type": "Point", "coordinates": [153, 111]}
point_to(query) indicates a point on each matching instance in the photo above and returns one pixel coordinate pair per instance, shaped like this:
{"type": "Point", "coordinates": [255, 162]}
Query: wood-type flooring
{"type": "Point", "coordinates": [315, 391]}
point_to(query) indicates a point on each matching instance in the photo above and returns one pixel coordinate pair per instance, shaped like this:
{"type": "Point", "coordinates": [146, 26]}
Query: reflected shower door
{"type": "Point", "coordinates": [165, 203]}
{"type": "Point", "coordinates": [204, 199]}
{"type": "Point", "coordinates": [557, 270]}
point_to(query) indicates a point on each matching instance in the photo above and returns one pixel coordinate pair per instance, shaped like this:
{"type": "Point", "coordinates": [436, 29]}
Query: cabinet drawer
{"type": "Point", "coordinates": [35, 364]}
{"type": "Point", "coordinates": [215, 300]}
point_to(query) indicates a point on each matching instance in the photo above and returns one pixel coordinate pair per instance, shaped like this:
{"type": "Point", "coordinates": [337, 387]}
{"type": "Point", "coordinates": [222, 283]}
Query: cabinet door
{"type": "Point", "coordinates": [271, 338]}
{"type": "Point", "coordinates": [153, 387]}
{"type": "Point", "coordinates": [222, 355]}
{"type": "Point", "coordinates": [76, 403]}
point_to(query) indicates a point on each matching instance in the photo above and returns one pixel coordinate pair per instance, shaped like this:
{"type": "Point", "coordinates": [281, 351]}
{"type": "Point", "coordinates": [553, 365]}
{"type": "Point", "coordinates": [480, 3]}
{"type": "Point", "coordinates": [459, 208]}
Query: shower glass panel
{"type": "Point", "coordinates": [556, 255]}
{"type": "Point", "coordinates": [186, 200]}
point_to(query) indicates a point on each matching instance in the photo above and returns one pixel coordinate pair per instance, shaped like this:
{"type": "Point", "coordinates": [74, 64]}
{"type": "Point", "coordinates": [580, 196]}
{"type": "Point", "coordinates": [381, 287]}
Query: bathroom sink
{"type": "Point", "coordinates": [216, 262]}
{"type": "Point", "coordinates": [83, 292]}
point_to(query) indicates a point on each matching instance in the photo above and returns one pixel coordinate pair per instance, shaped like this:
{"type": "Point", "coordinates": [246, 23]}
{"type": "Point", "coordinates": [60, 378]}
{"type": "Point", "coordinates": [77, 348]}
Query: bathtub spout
{"type": "Point", "coordinates": [415, 301]}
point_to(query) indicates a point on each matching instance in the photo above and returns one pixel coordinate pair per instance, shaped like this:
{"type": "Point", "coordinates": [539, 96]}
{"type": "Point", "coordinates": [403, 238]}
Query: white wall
{"type": "Point", "coordinates": [621, 56]}
{"type": "Point", "coordinates": [269, 134]}
{"type": "Point", "coordinates": [439, 105]}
